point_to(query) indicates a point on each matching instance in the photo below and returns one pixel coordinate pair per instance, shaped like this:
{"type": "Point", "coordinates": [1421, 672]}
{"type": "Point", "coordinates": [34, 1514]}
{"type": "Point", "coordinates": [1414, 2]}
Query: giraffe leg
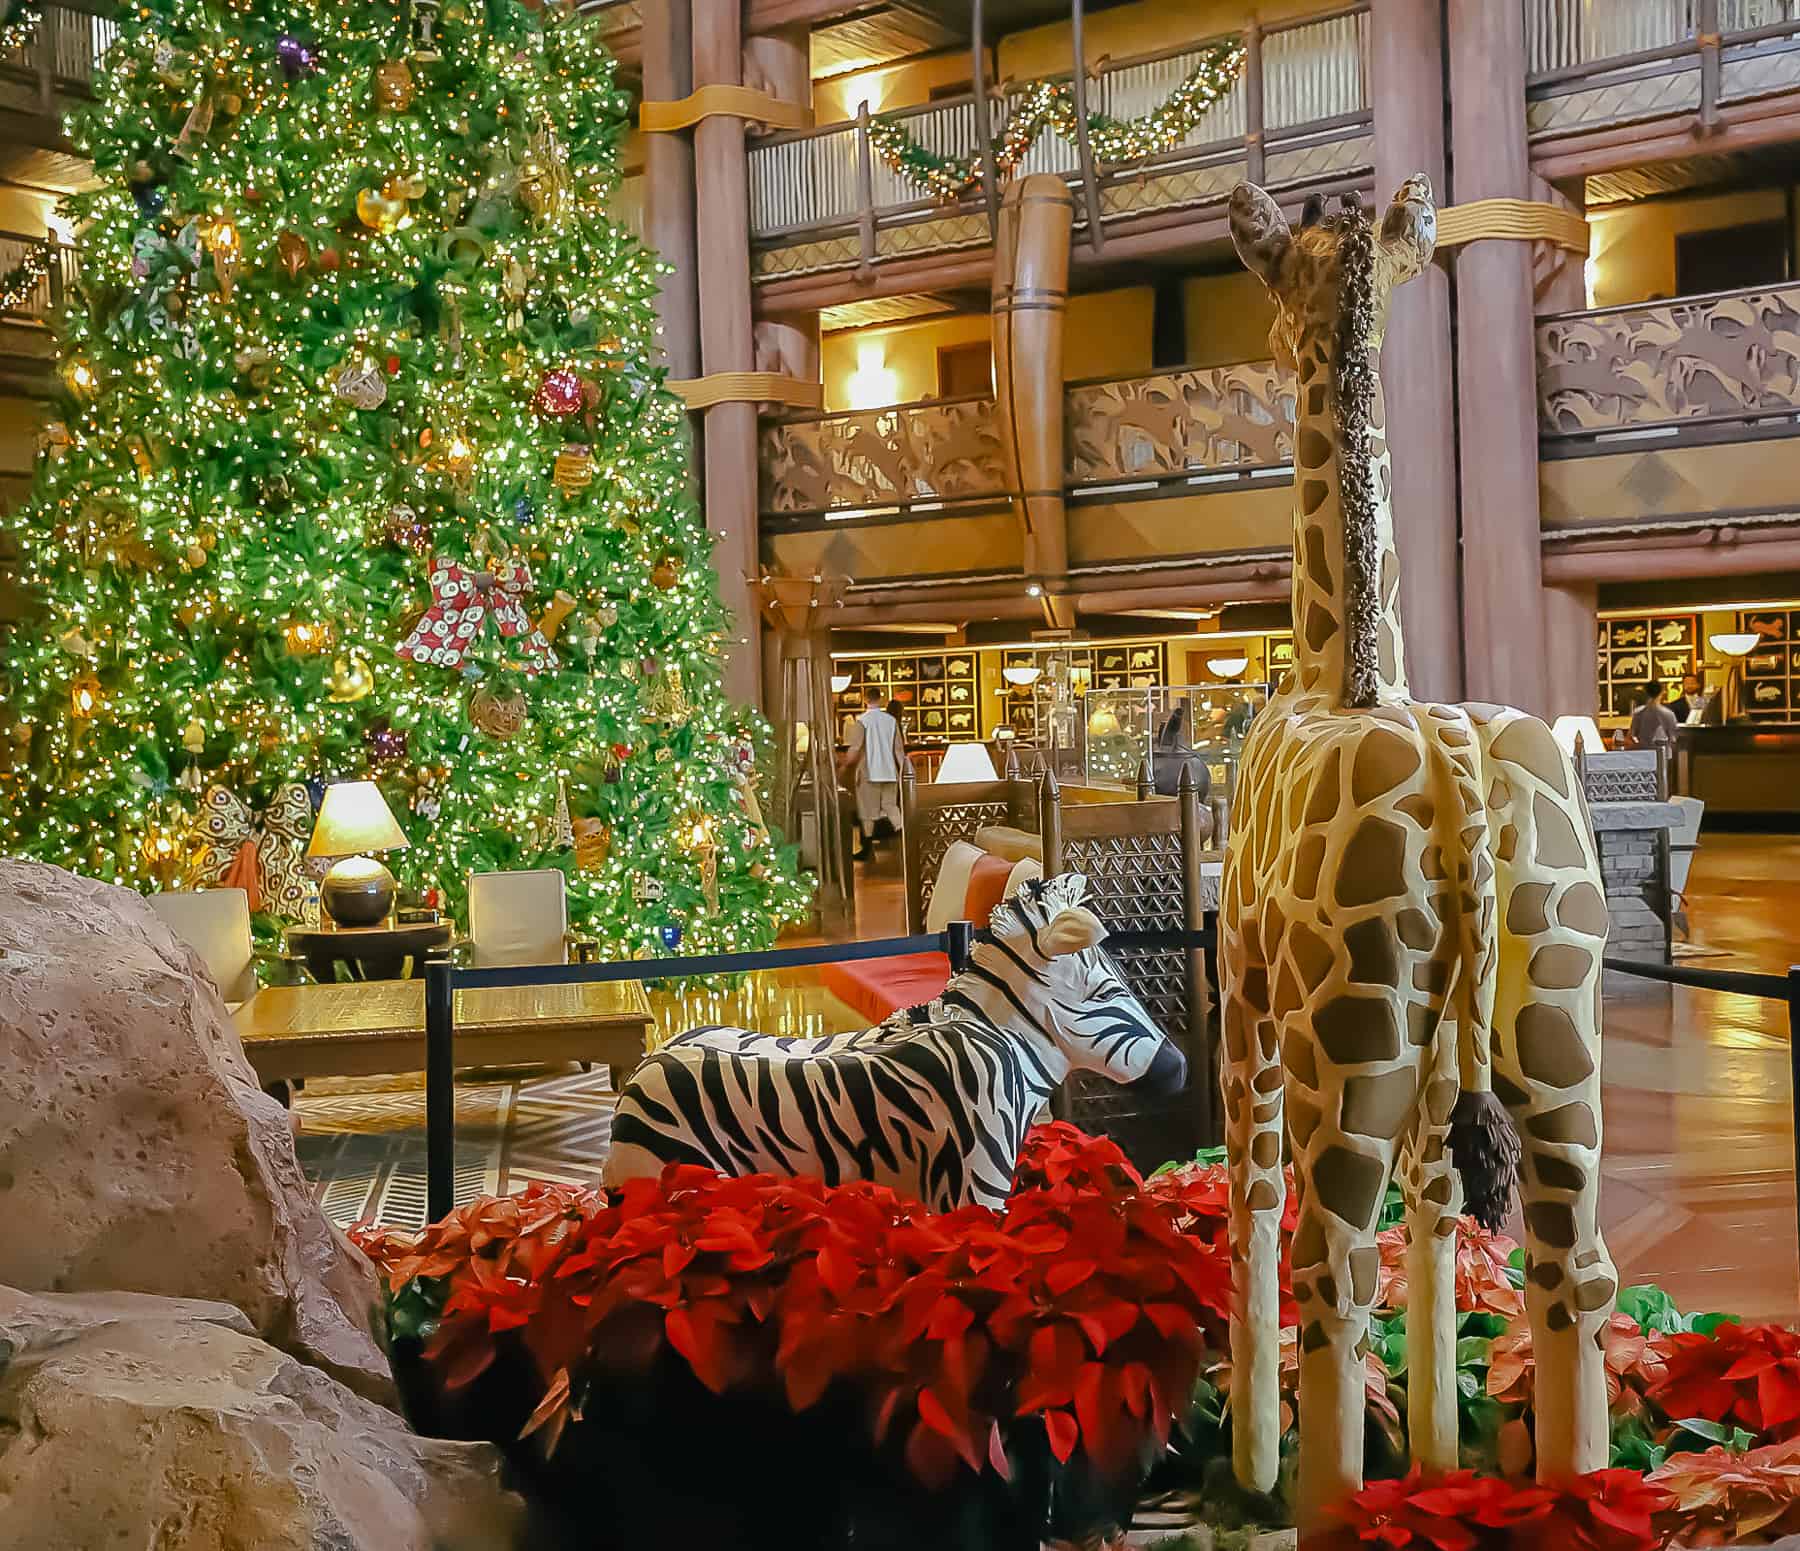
{"type": "Point", "coordinates": [1252, 1093]}
{"type": "Point", "coordinates": [1341, 1175]}
{"type": "Point", "coordinates": [1433, 1200]}
{"type": "Point", "coordinates": [1545, 1067]}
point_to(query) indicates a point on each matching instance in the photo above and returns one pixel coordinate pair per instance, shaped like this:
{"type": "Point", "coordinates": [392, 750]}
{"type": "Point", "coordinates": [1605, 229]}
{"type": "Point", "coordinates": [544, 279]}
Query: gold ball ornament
{"type": "Point", "coordinates": [195, 556]}
{"type": "Point", "coordinates": [501, 714]}
{"type": "Point", "coordinates": [304, 638]}
{"type": "Point", "coordinates": [667, 572]}
{"type": "Point", "coordinates": [393, 86]}
{"type": "Point", "coordinates": [593, 843]}
{"type": "Point", "coordinates": [85, 697]}
{"type": "Point", "coordinates": [573, 470]}
{"type": "Point", "coordinates": [351, 678]}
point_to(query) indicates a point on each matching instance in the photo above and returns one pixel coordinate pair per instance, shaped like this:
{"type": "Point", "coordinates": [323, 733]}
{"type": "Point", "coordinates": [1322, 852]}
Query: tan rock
{"type": "Point", "coordinates": [136, 1150]}
{"type": "Point", "coordinates": [157, 1424]}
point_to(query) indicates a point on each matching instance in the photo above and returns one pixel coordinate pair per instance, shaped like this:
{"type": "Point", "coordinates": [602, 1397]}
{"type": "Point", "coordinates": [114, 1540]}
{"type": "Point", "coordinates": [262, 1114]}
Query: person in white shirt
{"type": "Point", "coordinates": [873, 758]}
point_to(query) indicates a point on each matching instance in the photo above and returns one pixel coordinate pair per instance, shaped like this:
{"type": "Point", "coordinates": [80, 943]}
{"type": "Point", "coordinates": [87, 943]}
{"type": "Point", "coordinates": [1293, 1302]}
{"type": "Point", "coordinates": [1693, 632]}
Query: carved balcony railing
{"type": "Point", "coordinates": [944, 457]}
{"type": "Point", "coordinates": [1704, 368]}
{"type": "Point", "coordinates": [59, 60]}
{"type": "Point", "coordinates": [1597, 64]}
{"type": "Point", "coordinates": [822, 199]}
{"type": "Point", "coordinates": [1136, 429]}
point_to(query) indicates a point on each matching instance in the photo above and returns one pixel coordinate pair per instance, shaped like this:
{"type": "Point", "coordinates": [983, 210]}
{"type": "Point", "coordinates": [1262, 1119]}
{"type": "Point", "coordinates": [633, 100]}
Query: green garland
{"type": "Point", "coordinates": [19, 282]}
{"type": "Point", "coordinates": [18, 23]}
{"type": "Point", "coordinates": [1051, 105]}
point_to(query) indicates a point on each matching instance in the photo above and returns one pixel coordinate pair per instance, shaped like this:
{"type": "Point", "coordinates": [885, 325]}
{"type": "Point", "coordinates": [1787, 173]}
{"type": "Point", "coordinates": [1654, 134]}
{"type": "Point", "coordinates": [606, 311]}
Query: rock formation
{"type": "Point", "coordinates": [137, 1152]}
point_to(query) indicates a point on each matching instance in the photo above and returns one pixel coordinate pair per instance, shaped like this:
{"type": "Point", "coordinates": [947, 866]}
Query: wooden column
{"type": "Point", "coordinates": [669, 182]}
{"type": "Point", "coordinates": [1570, 628]}
{"type": "Point", "coordinates": [1503, 609]}
{"type": "Point", "coordinates": [722, 233]}
{"type": "Point", "coordinates": [1418, 373]}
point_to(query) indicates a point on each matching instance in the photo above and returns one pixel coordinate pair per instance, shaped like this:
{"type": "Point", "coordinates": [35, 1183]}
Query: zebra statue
{"type": "Point", "coordinates": [935, 1101]}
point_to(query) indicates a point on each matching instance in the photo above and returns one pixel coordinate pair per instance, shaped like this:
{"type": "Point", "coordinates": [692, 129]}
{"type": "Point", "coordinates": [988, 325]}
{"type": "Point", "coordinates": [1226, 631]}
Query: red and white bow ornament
{"type": "Point", "coordinates": [462, 598]}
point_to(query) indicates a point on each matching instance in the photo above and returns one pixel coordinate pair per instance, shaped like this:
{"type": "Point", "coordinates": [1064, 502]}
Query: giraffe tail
{"type": "Point", "coordinates": [1484, 1147]}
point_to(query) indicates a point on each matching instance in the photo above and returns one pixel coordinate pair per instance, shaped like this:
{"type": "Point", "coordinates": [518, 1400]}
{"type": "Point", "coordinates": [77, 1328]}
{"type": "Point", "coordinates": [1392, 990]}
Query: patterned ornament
{"type": "Point", "coordinates": [562, 831]}
{"type": "Point", "coordinates": [86, 697]}
{"type": "Point", "coordinates": [423, 26]}
{"type": "Point", "coordinates": [229, 846]}
{"type": "Point", "coordinates": [645, 890]}
{"type": "Point", "coordinates": [593, 843]}
{"type": "Point", "coordinates": [524, 513]}
{"type": "Point", "coordinates": [544, 175]}
{"type": "Point", "coordinates": [461, 601]}
{"type": "Point", "coordinates": [559, 394]}
{"type": "Point", "coordinates": [669, 935]}
{"type": "Point", "coordinates": [294, 57]}
{"type": "Point", "coordinates": [379, 211]}
{"type": "Point", "coordinates": [360, 384]}
{"type": "Point", "coordinates": [501, 716]}
{"type": "Point", "coordinates": [573, 470]}
{"type": "Point", "coordinates": [607, 614]}
{"type": "Point", "coordinates": [667, 572]}
{"type": "Point", "coordinates": [293, 253]}
{"type": "Point", "coordinates": [304, 637]}
{"type": "Point", "coordinates": [193, 736]}
{"type": "Point", "coordinates": [393, 86]}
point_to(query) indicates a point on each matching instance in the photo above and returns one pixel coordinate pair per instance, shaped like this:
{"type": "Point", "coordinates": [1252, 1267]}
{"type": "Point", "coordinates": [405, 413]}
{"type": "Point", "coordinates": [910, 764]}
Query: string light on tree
{"type": "Point", "coordinates": [332, 255]}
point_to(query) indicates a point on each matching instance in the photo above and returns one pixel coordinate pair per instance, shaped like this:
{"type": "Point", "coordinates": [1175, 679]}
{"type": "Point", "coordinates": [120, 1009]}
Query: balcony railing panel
{"type": "Point", "coordinates": [1313, 73]}
{"type": "Point", "coordinates": [901, 456]}
{"type": "Point", "coordinates": [58, 277]}
{"type": "Point", "coordinates": [65, 49]}
{"type": "Point", "coordinates": [1733, 356]}
{"type": "Point", "coordinates": [1560, 34]}
{"type": "Point", "coordinates": [1142, 428]}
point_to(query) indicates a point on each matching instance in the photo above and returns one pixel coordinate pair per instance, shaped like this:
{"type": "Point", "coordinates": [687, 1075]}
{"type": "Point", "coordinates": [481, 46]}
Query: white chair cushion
{"type": "Point", "coordinates": [1686, 833]}
{"type": "Point", "coordinates": [215, 923]}
{"type": "Point", "coordinates": [518, 918]}
{"type": "Point", "coordinates": [952, 886]}
{"type": "Point", "coordinates": [1028, 869]}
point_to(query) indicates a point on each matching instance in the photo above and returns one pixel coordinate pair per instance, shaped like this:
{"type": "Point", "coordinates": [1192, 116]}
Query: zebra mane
{"type": "Point", "coordinates": [1034, 906]}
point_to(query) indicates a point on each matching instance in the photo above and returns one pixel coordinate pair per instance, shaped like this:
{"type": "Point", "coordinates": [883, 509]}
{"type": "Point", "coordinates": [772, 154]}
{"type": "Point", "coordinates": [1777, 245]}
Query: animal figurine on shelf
{"type": "Point", "coordinates": [935, 1101]}
{"type": "Point", "coordinates": [1411, 921]}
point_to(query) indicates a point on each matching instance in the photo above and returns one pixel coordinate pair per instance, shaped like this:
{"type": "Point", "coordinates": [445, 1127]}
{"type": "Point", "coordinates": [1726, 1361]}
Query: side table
{"type": "Point", "coordinates": [372, 952]}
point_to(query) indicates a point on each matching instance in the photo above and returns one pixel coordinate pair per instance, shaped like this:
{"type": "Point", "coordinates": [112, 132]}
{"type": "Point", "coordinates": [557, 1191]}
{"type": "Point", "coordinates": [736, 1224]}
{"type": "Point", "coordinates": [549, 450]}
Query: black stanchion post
{"type": "Point", "coordinates": [1793, 1004]}
{"type": "Point", "coordinates": [959, 943]}
{"type": "Point", "coordinates": [440, 1091]}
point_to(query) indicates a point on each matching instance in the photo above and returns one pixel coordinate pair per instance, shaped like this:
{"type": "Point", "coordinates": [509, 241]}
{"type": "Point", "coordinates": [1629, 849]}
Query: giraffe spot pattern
{"type": "Point", "coordinates": [1571, 1124]}
{"type": "Point", "coordinates": [1421, 1023]}
{"type": "Point", "coordinates": [1551, 1049]}
{"type": "Point", "coordinates": [1385, 761]}
{"type": "Point", "coordinates": [1526, 742]}
{"type": "Point", "coordinates": [1261, 1197]}
{"type": "Point", "coordinates": [1354, 1029]}
{"type": "Point", "coordinates": [1526, 912]}
{"type": "Point", "coordinates": [1373, 868]}
{"type": "Point", "coordinates": [1365, 1262]}
{"type": "Point", "coordinates": [1309, 858]}
{"type": "Point", "coordinates": [1313, 448]}
{"type": "Point", "coordinates": [1547, 1274]}
{"type": "Point", "coordinates": [1327, 790]}
{"type": "Point", "coordinates": [1553, 1222]}
{"type": "Point", "coordinates": [1379, 1106]}
{"type": "Point", "coordinates": [1440, 1099]}
{"type": "Point", "coordinates": [1508, 843]}
{"type": "Point", "coordinates": [1594, 1295]}
{"type": "Point", "coordinates": [1416, 930]}
{"type": "Point", "coordinates": [1303, 1120]}
{"type": "Point", "coordinates": [1582, 909]}
{"type": "Point", "coordinates": [1309, 1242]}
{"type": "Point", "coordinates": [1349, 1184]}
{"type": "Point", "coordinates": [1419, 808]}
{"type": "Point", "coordinates": [1321, 626]}
{"type": "Point", "coordinates": [1374, 959]}
{"type": "Point", "coordinates": [1387, 653]}
{"type": "Point", "coordinates": [1439, 1191]}
{"type": "Point", "coordinates": [1559, 1318]}
{"type": "Point", "coordinates": [1318, 568]}
{"type": "Point", "coordinates": [1299, 1060]}
{"type": "Point", "coordinates": [1559, 967]}
{"type": "Point", "coordinates": [1265, 1150]}
{"type": "Point", "coordinates": [1557, 1173]}
{"type": "Point", "coordinates": [1555, 843]}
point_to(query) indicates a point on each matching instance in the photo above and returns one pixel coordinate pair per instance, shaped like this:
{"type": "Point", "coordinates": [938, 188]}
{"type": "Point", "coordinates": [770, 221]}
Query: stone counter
{"type": "Point", "coordinates": [1633, 839]}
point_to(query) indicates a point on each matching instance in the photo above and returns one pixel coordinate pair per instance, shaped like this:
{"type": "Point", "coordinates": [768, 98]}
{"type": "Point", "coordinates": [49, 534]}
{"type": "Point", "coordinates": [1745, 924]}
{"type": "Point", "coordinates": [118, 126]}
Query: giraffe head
{"type": "Point", "coordinates": [1305, 269]}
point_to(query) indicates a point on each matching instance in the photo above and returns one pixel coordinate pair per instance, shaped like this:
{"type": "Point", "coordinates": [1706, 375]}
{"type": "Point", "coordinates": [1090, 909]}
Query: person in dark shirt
{"type": "Point", "coordinates": [1691, 698]}
{"type": "Point", "coordinates": [1652, 723]}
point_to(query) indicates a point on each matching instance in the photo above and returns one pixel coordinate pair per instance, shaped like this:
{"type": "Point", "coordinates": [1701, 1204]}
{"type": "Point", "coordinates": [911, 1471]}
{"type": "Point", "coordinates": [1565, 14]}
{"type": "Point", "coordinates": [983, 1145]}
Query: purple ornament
{"type": "Point", "coordinates": [294, 56]}
{"type": "Point", "coordinates": [386, 745]}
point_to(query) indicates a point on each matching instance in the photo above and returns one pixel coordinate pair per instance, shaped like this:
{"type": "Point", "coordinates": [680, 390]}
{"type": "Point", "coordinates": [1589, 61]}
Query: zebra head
{"type": "Point", "coordinates": [1048, 948]}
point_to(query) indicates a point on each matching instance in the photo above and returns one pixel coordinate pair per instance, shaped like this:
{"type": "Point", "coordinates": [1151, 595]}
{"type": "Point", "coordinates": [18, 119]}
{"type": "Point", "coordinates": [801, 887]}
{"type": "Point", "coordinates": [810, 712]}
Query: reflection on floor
{"type": "Point", "coordinates": [1699, 1134]}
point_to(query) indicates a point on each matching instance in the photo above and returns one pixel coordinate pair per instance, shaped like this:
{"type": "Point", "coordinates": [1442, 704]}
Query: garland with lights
{"type": "Point", "coordinates": [19, 23]}
{"type": "Point", "coordinates": [363, 471]}
{"type": "Point", "coordinates": [19, 284]}
{"type": "Point", "coordinates": [1050, 105]}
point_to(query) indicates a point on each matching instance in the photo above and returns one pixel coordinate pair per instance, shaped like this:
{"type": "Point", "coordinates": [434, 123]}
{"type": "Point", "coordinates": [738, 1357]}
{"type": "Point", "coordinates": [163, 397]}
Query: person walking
{"type": "Point", "coordinates": [1653, 722]}
{"type": "Point", "coordinates": [872, 760]}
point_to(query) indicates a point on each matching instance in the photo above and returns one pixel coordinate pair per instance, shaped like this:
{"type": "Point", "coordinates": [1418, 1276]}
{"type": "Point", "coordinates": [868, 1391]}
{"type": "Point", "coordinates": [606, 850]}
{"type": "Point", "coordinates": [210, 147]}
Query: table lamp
{"type": "Point", "coordinates": [354, 820]}
{"type": "Point", "coordinates": [966, 762]}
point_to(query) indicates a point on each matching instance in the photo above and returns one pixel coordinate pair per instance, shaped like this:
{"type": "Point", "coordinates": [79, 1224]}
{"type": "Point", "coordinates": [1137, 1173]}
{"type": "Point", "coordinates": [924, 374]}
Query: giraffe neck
{"type": "Point", "coordinates": [1348, 646]}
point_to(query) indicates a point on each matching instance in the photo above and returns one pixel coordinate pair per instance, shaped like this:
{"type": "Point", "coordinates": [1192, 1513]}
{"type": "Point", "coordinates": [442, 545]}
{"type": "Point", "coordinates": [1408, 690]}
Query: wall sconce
{"type": "Point", "coordinates": [1021, 678]}
{"type": "Point", "coordinates": [874, 383]}
{"type": "Point", "coordinates": [1734, 643]}
{"type": "Point", "coordinates": [839, 683]}
{"type": "Point", "coordinates": [1734, 646]}
{"type": "Point", "coordinates": [1226, 667]}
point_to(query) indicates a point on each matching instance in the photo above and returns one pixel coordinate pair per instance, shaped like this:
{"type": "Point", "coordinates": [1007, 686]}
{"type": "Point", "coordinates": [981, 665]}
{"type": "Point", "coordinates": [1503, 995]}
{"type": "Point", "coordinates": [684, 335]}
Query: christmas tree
{"type": "Point", "coordinates": [363, 469]}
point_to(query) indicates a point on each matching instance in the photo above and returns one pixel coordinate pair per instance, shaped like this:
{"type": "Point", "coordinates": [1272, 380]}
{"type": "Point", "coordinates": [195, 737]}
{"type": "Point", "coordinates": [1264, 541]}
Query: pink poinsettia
{"type": "Point", "coordinates": [1482, 1283]}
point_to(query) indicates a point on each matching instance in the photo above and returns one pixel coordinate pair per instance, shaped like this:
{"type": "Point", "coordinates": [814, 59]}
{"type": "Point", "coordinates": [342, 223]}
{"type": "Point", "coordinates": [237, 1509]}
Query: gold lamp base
{"type": "Point", "coordinates": [358, 891]}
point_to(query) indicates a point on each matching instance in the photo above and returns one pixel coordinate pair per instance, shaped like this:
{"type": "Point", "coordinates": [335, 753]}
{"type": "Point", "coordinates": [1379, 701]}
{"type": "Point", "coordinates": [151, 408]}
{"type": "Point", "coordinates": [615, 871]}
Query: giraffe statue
{"type": "Point", "coordinates": [1412, 923]}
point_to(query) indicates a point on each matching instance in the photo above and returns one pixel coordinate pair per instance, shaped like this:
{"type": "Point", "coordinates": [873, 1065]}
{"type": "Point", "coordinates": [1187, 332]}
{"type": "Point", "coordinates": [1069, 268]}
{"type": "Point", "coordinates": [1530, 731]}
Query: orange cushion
{"type": "Point", "coordinates": [877, 987]}
{"type": "Point", "coordinates": [987, 887]}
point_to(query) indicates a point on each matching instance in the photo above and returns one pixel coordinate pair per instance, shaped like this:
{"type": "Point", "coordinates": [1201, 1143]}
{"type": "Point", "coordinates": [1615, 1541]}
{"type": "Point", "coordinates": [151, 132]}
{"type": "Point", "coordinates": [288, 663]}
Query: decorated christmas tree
{"type": "Point", "coordinates": [363, 469]}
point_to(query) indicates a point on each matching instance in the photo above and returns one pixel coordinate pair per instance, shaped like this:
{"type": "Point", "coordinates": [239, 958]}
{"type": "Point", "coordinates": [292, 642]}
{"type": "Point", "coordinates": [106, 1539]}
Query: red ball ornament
{"type": "Point", "coordinates": [559, 394]}
{"type": "Point", "coordinates": [393, 365]}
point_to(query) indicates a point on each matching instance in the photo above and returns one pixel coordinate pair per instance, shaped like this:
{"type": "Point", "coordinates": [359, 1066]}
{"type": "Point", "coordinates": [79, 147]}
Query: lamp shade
{"type": "Point", "coordinates": [1734, 643]}
{"type": "Point", "coordinates": [1567, 728]}
{"type": "Point", "coordinates": [1226, 667]}
{"type": "Point", "coordinates": [1021, 677]}
{"type": "Point", "coordinates": [354, 819]}
{"type": "Point", "coordinates": [966, 762]}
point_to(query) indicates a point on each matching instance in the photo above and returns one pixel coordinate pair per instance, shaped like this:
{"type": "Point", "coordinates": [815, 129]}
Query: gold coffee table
{"type": "Point", "coordinates": [378, 1026]}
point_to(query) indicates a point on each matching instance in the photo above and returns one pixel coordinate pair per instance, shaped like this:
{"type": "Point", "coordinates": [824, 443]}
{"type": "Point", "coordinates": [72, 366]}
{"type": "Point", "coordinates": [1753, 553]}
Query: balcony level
{"type": "Point", "coordinates": [831, 220]}
{"type": "Point", "coordinates": [49, 73]}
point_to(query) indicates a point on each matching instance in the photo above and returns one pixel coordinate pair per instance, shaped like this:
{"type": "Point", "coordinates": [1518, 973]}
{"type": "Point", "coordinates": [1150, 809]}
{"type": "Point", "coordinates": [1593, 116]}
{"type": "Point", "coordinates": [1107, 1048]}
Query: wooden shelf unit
{"type": "Point", "coordinates": [1771, 683]}
{"type": "Point", "coordinates": [1632, 650]}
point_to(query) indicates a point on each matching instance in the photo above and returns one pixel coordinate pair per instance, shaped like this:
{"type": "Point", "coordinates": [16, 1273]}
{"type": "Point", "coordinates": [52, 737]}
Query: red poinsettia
{"type": "Point", "coordinates": [1610, 1510]}
{"type": "Point", "coordinates": [1747, 1374]}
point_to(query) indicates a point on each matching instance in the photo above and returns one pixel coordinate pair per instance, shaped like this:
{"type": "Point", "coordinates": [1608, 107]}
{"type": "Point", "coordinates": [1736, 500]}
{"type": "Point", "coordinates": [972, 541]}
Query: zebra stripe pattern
{"type": "Point", "coordinates": [935, 1100]}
